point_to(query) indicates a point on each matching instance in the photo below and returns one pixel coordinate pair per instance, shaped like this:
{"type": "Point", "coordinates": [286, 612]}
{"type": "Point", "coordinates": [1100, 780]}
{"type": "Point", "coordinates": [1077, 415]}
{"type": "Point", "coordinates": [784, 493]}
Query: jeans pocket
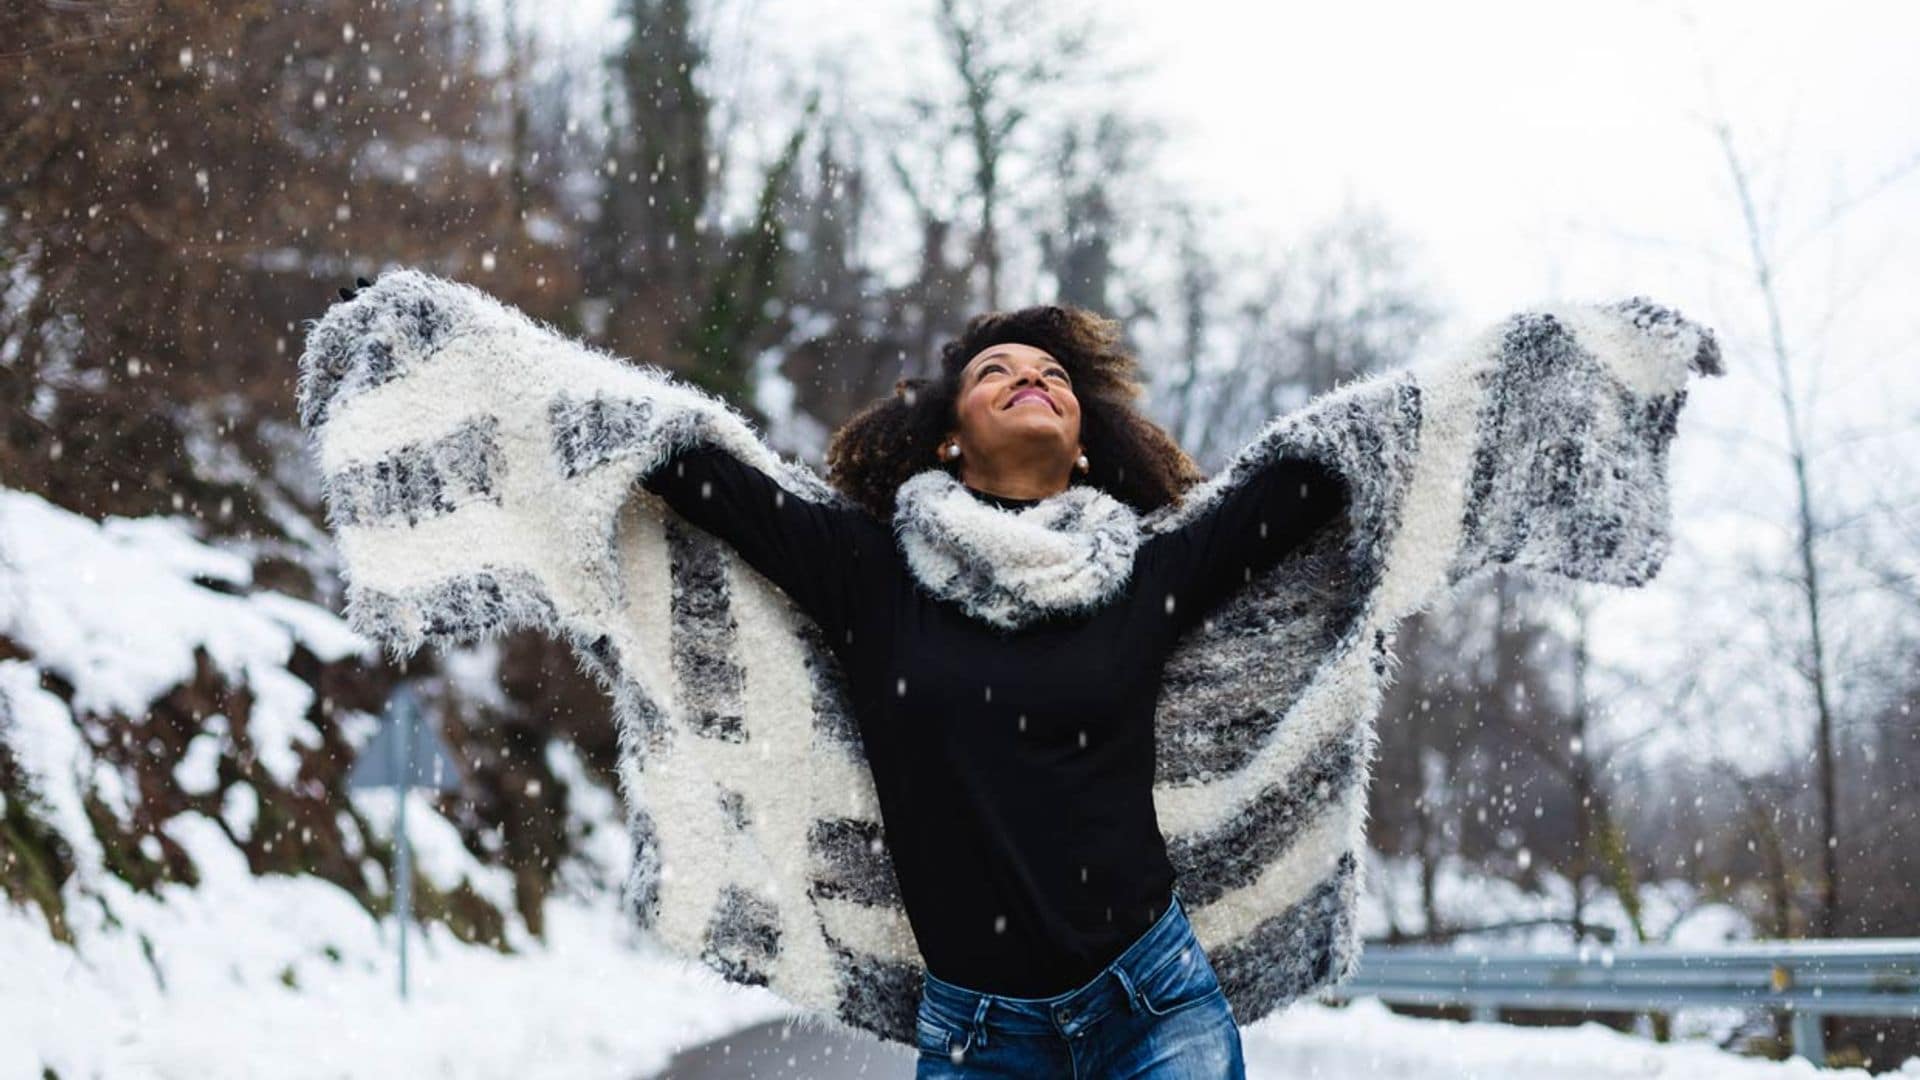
{"type": "Point", "coordinates": [929, 1036]}
{"type": "Point", "coordinates": [1182, 979]}
{"type": "Point", "coordinates": [935, 1034]}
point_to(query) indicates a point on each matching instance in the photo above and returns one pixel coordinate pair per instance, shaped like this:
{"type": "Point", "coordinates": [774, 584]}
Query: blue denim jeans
{"type": "Point", "coordinates": [1156, 1011]}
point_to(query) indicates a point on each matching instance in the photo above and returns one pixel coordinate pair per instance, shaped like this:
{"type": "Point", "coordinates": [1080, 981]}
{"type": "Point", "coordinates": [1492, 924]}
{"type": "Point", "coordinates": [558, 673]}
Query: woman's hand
{"type": "Point", "coordinates": [359, 283]}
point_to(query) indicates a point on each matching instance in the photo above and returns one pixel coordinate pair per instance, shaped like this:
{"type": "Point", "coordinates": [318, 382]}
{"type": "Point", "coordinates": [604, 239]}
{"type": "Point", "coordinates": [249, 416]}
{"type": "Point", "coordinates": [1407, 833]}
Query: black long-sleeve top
{"type": "Point", "coordinates": [1014, 769]}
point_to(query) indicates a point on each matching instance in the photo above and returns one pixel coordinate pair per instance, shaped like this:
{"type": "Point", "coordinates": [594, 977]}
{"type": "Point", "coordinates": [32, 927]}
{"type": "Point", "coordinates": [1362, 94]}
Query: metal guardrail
{"type": "Point", "coordinates": [1808, 980]}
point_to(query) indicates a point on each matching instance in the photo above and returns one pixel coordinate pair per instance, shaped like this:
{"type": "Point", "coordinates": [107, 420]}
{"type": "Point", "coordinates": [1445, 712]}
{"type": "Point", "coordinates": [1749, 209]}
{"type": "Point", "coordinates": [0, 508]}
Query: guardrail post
{"type": "Point", "coordinates": [1808, 1040]}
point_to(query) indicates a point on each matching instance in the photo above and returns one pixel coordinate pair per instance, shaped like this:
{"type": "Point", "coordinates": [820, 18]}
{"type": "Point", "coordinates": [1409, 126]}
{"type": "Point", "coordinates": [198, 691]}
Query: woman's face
{"type": "Point", "coordinates": [1016, 406]}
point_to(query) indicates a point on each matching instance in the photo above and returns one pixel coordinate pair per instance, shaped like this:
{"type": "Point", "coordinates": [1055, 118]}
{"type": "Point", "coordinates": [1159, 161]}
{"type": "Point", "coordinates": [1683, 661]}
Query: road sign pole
{"type": "Point", "coordinates": [403, 888]}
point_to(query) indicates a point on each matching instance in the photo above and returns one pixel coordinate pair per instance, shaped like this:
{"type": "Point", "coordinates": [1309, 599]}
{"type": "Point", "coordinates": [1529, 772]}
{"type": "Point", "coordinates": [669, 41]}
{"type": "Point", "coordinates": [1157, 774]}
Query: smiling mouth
{"type": "Point", "coordinates": [1036, 395]}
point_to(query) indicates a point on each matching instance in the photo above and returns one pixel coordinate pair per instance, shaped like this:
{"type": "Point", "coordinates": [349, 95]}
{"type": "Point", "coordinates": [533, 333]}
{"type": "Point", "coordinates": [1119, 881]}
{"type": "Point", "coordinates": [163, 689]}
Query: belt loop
{"type": "Point", "coordinates": [980, 1019]}
{"type": "Point", "coordinates": [1133, 999]}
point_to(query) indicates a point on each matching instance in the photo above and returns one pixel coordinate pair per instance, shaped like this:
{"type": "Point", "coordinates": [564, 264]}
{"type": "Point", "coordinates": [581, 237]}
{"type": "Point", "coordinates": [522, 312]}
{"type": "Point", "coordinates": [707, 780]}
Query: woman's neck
{"type": "Point", "coordinates": [1007, 501]}
{"type": "Point", "coordinates": [1023, 476]}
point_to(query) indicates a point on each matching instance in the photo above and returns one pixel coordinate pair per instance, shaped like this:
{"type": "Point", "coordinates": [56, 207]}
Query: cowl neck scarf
{"type": "Point", "coordinates": [1066, 554]}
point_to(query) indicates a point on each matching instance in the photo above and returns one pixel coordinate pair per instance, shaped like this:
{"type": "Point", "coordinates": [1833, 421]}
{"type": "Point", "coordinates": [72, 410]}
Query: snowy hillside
{"type": "Point", "coordinates": [177, 906]}
{"type": "Point", "coordinates": [247, 976]}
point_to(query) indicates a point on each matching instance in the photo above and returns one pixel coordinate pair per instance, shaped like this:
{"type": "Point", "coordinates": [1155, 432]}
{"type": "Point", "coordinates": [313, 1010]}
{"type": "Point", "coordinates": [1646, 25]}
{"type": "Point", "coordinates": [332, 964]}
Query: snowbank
{"type": "Point", "coordinates": [289, 977]}
{"type": "Point", "coordinates": [1367, 1041]}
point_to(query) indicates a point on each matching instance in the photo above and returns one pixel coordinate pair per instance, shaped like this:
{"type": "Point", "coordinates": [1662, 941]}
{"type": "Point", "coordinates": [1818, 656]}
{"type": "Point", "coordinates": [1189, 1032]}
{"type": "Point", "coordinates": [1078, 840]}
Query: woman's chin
{"type": "Point", "coordinates": [1030, 420]}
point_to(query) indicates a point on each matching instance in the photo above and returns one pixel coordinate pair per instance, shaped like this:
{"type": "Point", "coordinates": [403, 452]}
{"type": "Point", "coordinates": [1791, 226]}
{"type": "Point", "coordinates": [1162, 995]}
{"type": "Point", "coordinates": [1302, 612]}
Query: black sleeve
{"type": "Point", "coordinates": [1254, 526]}
{"type": "Point", "coordinates": [806, 548]}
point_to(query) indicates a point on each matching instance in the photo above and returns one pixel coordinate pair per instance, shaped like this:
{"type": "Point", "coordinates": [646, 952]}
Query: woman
{"type": "Point", "coordinates": [1001, 638]}
{"type": "Point", "coordinates": [1015, 768]}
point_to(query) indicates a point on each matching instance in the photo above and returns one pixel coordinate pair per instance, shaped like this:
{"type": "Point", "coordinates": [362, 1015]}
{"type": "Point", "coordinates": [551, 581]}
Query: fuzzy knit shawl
{"type": "Point", "coordinates": [481, 474]}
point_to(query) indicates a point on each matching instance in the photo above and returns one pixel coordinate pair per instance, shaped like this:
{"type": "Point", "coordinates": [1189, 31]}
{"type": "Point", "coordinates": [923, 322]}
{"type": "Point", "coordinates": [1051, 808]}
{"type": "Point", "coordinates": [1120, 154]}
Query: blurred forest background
{"type": "Point", "coordinates": [184, 183]}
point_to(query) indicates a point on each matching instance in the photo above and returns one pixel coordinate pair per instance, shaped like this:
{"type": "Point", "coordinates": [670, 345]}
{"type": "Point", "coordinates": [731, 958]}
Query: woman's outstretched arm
{"type": "Point", "coordinates": [1540, 443]}
{"type": "Point", "coordinates": [1255, 521]}
{"type": "Point", "coordinates": [475, 464]}
{"type": "Point", "coordinates": [809, 549]}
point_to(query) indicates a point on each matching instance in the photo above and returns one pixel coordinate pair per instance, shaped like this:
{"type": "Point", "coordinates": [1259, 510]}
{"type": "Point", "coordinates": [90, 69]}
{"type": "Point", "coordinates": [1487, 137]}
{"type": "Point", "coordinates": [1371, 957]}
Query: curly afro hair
{"type": "Point", "coordinates": [1131, 457]}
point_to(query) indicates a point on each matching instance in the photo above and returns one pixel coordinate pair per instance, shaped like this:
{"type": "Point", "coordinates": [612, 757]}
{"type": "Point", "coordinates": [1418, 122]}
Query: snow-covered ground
{"type": "Point", "coordinates": [289, 976]}
{"type": "Point", "coordinates": [1311, 1041]}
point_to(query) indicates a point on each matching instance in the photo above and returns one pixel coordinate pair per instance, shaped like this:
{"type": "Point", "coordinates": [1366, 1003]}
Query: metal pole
{"type": "Point", "coordinates": [1808, 1040]}
{"type": "Point", "coordinates": [403, 888]}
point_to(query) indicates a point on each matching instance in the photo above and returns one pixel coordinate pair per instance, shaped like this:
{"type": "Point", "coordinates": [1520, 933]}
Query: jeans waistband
{"type": "Point", "coordinates": [1110, 991]}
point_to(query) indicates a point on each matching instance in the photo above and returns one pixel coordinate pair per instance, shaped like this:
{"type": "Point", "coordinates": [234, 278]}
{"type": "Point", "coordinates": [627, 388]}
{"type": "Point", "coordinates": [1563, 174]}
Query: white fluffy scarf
{"type": "Point", "coordinates": [481, 475]}
{"type": "Point", "coordinates": [1010, 566]}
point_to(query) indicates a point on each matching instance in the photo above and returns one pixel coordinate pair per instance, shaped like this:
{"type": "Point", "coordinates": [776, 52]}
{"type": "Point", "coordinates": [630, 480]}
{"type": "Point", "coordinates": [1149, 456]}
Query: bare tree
{"type": "Point", "coordinates": [1096, 166]}
{"type": "Point", "coordinates": [999, 75]}
{"type": "Point", "coordinates": [1347, 302]}
{"type": "Point", "coordinates": [1815, 519]}
{"type": "Point", "coordinates": [1806, 538]}
{"type": "Point", "coordinates": [1577, 754]}
{"type": "Point", "coordinates": [1196, 280]}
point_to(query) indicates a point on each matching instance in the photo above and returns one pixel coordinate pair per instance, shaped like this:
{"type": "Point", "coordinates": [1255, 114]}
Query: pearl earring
{"type": "Point", "coordinates": [952, 450]}
{"type": "Point", "coordinates": [1082, 462]}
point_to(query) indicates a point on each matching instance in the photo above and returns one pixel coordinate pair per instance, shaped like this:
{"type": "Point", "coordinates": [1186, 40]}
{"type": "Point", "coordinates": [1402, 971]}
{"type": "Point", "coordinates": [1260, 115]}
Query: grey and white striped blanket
{"type": "Point", "coordinates": [480, 474]}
